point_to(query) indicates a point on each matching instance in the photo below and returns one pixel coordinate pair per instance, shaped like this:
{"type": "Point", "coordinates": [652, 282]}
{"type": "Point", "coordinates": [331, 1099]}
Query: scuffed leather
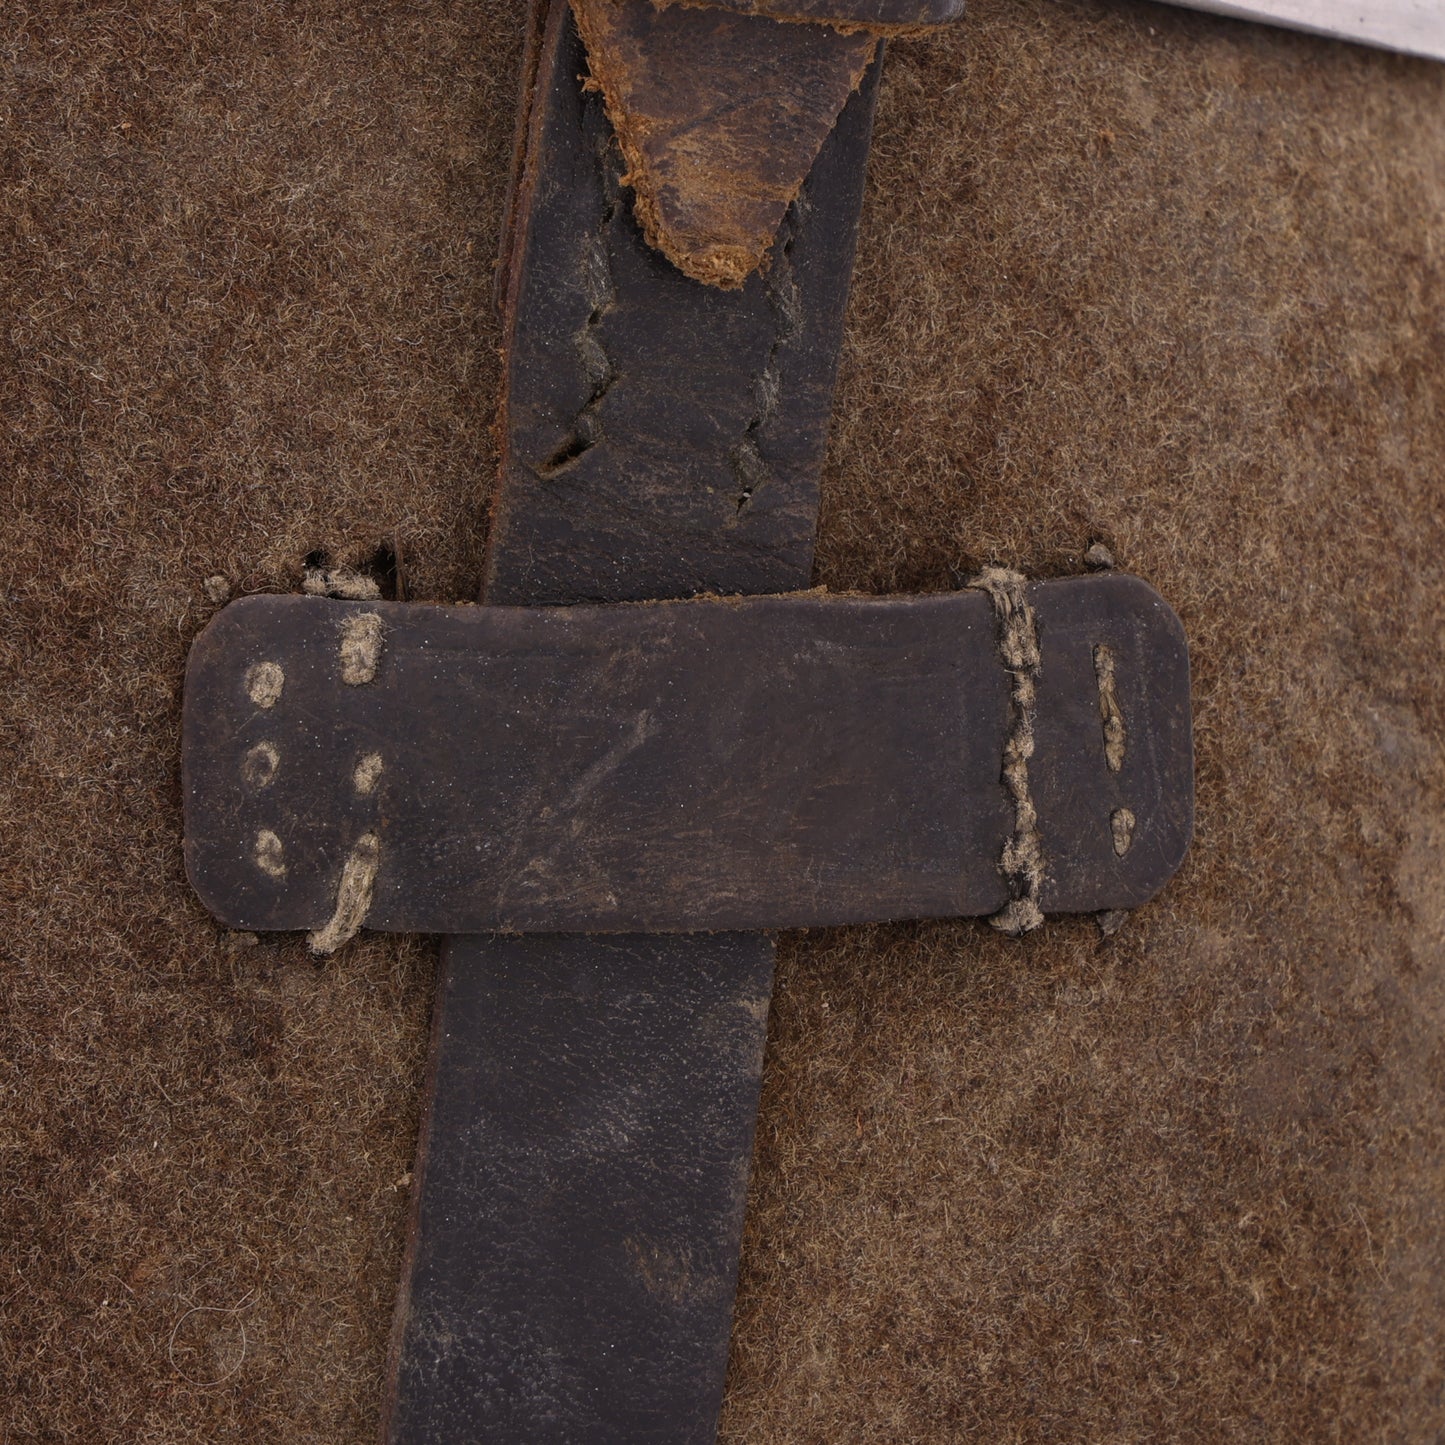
{"type": "Point", "coordinates": [720, 116]}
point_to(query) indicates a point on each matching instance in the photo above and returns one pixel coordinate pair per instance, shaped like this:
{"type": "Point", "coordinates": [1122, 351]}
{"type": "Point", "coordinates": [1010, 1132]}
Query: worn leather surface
{"type": "Point", "coordinates": [575, 1252]}
{"type": "Point", "coordinates": [720, 115]}
{"type": "Point", "coordinates": [597, 1307]}
{"type": "Point", "coordinates": [748, 763]}
{"type": "Point", "coordinates": [660, 438]}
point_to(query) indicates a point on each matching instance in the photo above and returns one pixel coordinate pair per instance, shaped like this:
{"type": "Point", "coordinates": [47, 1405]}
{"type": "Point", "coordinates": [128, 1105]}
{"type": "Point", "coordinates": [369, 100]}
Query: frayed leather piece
{"type": "Point", "coordinates": [720, 117]}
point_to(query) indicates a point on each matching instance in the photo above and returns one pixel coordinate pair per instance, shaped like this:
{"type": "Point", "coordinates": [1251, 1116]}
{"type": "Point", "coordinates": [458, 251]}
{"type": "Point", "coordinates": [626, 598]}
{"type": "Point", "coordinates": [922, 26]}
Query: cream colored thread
{"type": "Point", "coordinates": [264, 683]}
{"type": "Point", "coordinates": [361, 635]}
{"type": "Point", "coordinates": [1116, 738]}
{"type": "Point", "coordinates": [270, 856]}
{"type": "Point", "coordinates": [260, 764]}
{"type": "Point", "coordinates": [339, 582]}
{"type": "Point", "coordinates": [1121, 824]}
{"type": "Point", "coordinates": [353, 896]}
{"type": "Point", "coordinates": [368, 773]}
{"type": "Point", "coordinates": [1022, 861]}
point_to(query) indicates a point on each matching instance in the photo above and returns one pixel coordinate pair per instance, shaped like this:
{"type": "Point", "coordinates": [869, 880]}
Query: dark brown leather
{"type": "Point", "coordinates": [660, 438]}
{"type": "Point", "coordinates": [720, 116]}
{"type": "Point", "coordinates": [597, 1308]}
{"type": "Point", "coordinates": [762, 763]}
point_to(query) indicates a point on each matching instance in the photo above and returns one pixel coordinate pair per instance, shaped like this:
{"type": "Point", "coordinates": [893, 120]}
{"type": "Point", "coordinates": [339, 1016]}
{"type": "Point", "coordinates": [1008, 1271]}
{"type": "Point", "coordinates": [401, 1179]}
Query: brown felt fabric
{"type": "Point", "coordinates": [1126, 273]}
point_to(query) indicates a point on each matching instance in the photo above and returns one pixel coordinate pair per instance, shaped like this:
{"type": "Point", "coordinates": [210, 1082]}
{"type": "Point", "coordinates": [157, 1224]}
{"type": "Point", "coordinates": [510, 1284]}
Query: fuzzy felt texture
{"type": "Point", "coordinates": [1128, 275]}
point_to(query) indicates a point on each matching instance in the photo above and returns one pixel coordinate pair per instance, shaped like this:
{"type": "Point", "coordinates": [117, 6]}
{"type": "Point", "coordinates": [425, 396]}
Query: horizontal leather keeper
{"type": "Point", "coordinates": [715, 764]}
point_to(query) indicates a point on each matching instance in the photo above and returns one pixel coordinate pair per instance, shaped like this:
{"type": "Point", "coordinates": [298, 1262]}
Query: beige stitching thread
{"type": "Point", "coordinates": [1111, 715]}
{"type": "Point", "coordinates": [259, 765]}
{"type": "Point", "coordinates": [339, 582]}
{"type": "Point", "coordinates": [361, 635]}
{"type": "Point", "coordinates": [367, 773]}
{"type": "Point", "coordinates": [1121, 825]}
{"type": "Point", "coordinates": [353, 896]}
{"type": "Point", "coordinates": [1022, 861]}
{"type": "Point", "coordinates": [264, 683]}
{"type": "Point", "coordinates": [270, 856]}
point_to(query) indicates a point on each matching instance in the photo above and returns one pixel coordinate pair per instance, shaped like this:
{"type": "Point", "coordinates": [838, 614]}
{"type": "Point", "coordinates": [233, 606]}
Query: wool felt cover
{"type": "Point", "coordinates": [1127, 274]}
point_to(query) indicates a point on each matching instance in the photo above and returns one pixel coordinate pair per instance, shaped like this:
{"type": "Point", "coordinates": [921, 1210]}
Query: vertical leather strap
{"type": "Point", "coordinates": [588, 1128]}
{"type": "Point", "coordinates": [587, 1145]}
